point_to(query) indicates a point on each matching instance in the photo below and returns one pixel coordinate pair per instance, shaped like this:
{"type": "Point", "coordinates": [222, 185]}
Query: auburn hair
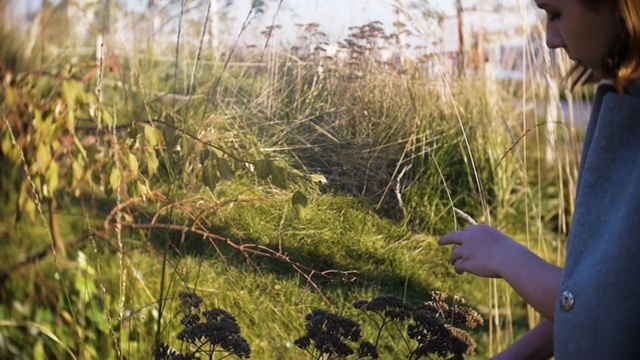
{"type": "Point", "coordinates": [622, 63]}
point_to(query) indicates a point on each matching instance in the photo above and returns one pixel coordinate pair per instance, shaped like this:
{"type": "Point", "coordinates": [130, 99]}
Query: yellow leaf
{"type": "Point", "coordinates": [115, 178]}
{"type": "Point", "coordinates": [133, 164]}
{"type": "Point", "coordinates": [43, 158]}
{"type": "Point", "coordinates": [150, 136]}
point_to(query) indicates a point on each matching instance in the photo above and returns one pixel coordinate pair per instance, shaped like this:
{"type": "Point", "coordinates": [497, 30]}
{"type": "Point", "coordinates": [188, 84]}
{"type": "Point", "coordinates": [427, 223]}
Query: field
{"type": "Point", "coordinates": [270, 182]}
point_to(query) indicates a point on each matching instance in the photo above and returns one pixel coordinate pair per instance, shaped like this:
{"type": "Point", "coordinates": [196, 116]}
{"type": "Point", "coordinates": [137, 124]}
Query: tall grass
{"type": "Point", "coordinates": [407, 153]}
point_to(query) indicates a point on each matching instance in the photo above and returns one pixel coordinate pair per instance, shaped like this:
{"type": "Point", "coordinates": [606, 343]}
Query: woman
{"type": "Point", "coordinates": [592, 306]}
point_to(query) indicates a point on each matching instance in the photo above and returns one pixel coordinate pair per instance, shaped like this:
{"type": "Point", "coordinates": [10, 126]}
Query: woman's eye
{"type": "Point", "coordinates": [553, 17]}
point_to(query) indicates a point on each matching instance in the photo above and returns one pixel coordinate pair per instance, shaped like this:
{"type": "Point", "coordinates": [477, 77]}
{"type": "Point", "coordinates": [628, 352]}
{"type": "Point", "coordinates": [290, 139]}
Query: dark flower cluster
{"type": "Point", "coordinates": [329, 333]}
{"type": "Point", "coordinates": [367, 349]}
{"type": "Point", "coordinates": [189, 301]}
{"type": "Point", "coordinates": [388, 306]}
{"type": "Point", "coordinates": [210, 330]}
{"type": "Point", "coordinates": [435, 327]}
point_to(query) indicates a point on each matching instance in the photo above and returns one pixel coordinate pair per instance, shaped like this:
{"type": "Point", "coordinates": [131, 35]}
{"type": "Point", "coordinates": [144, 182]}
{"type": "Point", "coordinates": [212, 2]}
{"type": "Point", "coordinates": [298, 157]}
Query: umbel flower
{"type": "Point", "coordinates": [388, 306]}
{"type": "Point", "coordinates": [209, 331]}
{"type": "Point", "coordinates": [165, 352]}
{"type": "Point", "coordinates": [435, 328]}
{"type": "Point", "coordinates": [329, 333]}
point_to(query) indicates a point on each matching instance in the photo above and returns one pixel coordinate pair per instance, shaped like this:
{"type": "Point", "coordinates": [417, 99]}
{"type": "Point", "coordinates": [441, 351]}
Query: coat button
{"type": "Point", "coordinates": [567, 300]}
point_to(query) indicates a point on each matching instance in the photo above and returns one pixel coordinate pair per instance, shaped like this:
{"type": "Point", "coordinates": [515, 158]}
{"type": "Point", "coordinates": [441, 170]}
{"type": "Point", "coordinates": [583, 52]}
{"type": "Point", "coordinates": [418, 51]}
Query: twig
{"type": "Point", "coordinates": [399, 189]}
{"type": "Point", "coordinates": [465, 216]}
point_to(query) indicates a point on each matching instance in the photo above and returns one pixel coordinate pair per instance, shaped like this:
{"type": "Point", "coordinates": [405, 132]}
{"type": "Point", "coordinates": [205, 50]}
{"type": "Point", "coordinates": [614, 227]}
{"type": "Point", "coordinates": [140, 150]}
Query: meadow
{"type": "Point", "coordinates": [272, 182]}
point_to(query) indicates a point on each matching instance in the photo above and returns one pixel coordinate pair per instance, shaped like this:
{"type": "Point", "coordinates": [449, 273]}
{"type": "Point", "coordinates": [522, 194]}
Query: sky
{"type": "Point", "coordinates": [334, 16]}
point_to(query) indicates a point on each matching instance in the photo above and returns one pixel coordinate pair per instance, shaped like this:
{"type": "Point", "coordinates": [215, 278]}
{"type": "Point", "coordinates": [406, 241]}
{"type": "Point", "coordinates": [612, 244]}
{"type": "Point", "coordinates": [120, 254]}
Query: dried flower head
{"type": "Point", "coordinates": [461, 341]}
{"type": "Point", "coordinates": [463, 316]}
{"type": "Point", "coordinates": [388, 306]}
{"type": "Point", "coordinates": [437, 337]}
{"type": "Point", "coordinates": [328, 333]}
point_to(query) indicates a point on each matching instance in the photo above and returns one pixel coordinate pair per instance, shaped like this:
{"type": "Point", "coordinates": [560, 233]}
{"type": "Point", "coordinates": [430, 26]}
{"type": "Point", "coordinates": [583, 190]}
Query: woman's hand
{"type": "Point", "coordinates": [485, 251]}
{"type": "Point", "coordinates": [480, 250]}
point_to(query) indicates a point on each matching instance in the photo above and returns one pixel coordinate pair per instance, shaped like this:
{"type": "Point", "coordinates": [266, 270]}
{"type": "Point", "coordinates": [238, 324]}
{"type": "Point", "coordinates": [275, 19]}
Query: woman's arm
{"type": "Point", "coordinates": [537, 344]}
{"type": "Point", "coordinates": [534, 279]}
{"type": "Point", "coordinates": [487, 252]}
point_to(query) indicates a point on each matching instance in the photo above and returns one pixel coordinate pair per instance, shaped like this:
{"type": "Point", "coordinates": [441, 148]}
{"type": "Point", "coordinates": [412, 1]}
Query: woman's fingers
{"type": "Point", "coordinates": [459, 267]}
{"type": "Point", "coordinates": [452, 238]}
{"type": "Point", "coordinates": [456, 255]}
{"type": "Point", "coordinates": [457, 260]}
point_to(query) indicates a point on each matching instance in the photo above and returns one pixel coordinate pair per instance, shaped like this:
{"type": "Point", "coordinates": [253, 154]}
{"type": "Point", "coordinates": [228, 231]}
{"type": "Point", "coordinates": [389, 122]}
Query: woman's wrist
{"type": "Point", "coordinates": [536, 344]}
{"type": "Point", "coordinates": [514, 258]}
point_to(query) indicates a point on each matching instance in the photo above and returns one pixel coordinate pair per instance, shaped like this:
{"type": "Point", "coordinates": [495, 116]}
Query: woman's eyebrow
{"type": "Point", "coordinates": [542, 4]}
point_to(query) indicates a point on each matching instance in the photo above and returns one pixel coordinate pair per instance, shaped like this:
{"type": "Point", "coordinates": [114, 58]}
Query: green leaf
{"type": "Point", "coordinates": [133, 164]}
{"type": "Point", "coordinates": [132, 189]}
{"type": "Point", "coordinates": [69, 94]}
{"type": "Point", "coordinates": [153, 136]}
{"type": "Point", "coordinates": [71, 122]}
{"type": "Point", "coordinates": [264, 168]}
{"type": "Point", "coordinates": [77, 172]}
{"type": "Point", "coordinates": [225, 170]}
{"type": "Point", "coordinates": [150, 136]}
{"type": "Point", "coordinates": [279, 177]}
{"type": "Point", "coordinates": [43, 158]}
{"type": "Point", "coordinates": [209, 176]}
{"type": "Point", "coordinates": [38, 351]}
{"type": "Point", "coordinates": [299, 202]}
{"type": "Point", "coordinates": [26, 204]}
{"type": "Point", "coordinates": [115, 178]}
{"type": "Point", "coordinates": [9, 150]}
{"type": "Point", "coordinates": [79, 146]}
{"type": "Point", "coordinates": [152, 162]}
{"type": "Point", "coordinates": [51, 178]}
{"type": "Point", "coordinates": [108, 191]}
{"type": "Point", "coordinates": [10, 97]}
{"type": "Point", "coordinates": [143, 189]}
{"type": "Point", "coordinates": [106, 118]}
{"type": "Point", "coordinates": [133, 131]}
{"type": "Point", "coordinates": [207, 154]}
{"type": "Point", "coordinates": [299, 199]}
{"type": "Point", "coordinates": [319, 178]}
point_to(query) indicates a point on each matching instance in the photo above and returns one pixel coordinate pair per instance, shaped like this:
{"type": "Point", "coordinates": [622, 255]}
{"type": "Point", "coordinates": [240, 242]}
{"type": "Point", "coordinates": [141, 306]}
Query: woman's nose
{"type": "Point", "coordinates": [554, 36]}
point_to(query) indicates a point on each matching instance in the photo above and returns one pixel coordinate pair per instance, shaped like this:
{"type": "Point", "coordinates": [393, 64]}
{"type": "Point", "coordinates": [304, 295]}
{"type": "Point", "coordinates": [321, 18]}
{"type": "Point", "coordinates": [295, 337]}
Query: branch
{"type": "Point", "coordinates": [41, 255]}
{"type": "Point", "coordinates": [246, 250]}
{"type": "Point", "coordinates": [250, 249]}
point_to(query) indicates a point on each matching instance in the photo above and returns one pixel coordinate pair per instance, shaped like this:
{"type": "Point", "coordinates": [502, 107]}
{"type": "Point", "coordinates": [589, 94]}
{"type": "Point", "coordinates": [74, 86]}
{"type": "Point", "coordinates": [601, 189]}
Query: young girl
{"type": "Point", "coordinates": [592, 306]}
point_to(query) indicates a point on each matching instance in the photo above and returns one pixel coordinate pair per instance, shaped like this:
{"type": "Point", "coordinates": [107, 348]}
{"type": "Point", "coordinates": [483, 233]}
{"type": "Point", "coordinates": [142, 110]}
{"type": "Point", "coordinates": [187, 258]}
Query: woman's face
{"type": "Point", "coordinates": [586, 34]}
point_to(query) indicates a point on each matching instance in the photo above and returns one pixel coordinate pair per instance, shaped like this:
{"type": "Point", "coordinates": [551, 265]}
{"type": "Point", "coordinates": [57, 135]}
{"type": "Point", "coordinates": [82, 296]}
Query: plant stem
{"type": "Point", "coordinates": [55, 228]}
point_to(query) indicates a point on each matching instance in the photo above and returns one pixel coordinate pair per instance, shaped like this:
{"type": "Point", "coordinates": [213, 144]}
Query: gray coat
{"type": "Point", "coordinates": [597, 315]}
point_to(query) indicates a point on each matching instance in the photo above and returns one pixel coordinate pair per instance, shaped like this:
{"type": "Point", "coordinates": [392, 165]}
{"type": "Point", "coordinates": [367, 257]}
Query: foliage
{"type": "Point", "coordinates": [75, 311]}
{"type": "Point", "coordinates": [42, 113]}
{"type": "Point", "coordinates": [434, 327]}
